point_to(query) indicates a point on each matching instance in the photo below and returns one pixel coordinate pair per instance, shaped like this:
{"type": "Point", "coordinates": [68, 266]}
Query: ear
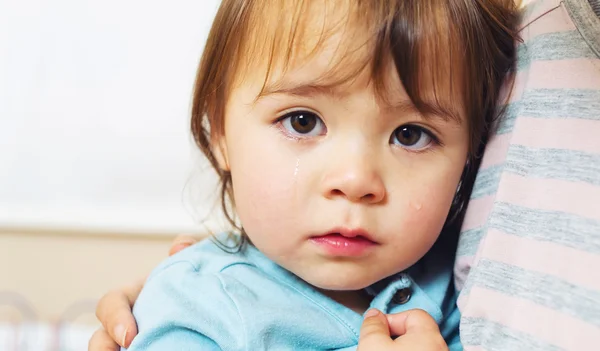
{"type": "Point", "coordinates": [219, 150]}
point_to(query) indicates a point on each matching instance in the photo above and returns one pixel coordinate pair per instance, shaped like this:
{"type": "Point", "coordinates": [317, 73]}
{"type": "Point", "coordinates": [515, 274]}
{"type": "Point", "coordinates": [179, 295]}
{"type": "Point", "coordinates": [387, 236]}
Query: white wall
{"type": "Point", "coordinates": [94, 110]}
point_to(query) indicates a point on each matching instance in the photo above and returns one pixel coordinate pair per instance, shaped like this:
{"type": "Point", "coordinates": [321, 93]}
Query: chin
{"type": "Point", "coordinates": [337, 282]}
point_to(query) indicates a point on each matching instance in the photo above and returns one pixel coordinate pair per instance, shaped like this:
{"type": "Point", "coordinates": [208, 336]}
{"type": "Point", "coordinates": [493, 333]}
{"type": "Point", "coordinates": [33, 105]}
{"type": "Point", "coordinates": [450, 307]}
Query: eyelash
{"type": "Point", "coordinates": [296, 137]}
{"type": "Point", "coordinates": [435, 140]}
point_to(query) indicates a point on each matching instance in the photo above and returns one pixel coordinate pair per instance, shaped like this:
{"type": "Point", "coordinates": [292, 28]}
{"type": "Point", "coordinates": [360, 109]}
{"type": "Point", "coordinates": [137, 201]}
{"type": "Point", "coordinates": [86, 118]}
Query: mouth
{"type": "Point", "coordinates": [342, 242]}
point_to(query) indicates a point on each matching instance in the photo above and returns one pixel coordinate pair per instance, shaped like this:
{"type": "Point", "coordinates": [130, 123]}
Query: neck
{"type": "Point", "coordinates": [356, 300]}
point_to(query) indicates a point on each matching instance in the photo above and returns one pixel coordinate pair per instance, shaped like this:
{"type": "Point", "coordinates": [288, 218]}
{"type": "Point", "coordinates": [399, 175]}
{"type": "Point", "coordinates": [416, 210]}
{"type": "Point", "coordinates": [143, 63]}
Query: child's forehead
{"type": "Point", "coordinates": [336, 79]}
{"type": "Point", "coordinates": [326, 44]}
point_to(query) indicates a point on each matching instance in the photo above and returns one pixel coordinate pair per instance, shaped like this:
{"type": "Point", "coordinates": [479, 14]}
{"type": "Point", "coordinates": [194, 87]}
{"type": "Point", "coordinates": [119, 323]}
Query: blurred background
{"type": "Point", "coordinates": [98, 171]}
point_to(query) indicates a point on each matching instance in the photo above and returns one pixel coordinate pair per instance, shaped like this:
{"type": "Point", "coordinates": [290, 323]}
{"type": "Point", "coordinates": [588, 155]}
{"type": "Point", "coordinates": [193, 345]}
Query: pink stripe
{"type": "Point", "coordinates": [478, 212]}
{"type": "Point", "coordinates": [581, 73]}
{"type": "Point", "coordinates": [536, 8]}
{"type": "Point", "coordinates": [495, 152]}
{"type": "Point", "coordinates": [462, 301]}
{"type": "Point", "coordinates": [546, 20]}
{"type": "Point", "coordinates": [540, 322]}
{"type": "Point", "coordinates": [473, 348]}
{"type": "Point", "coordinates": [566, 263]}
{"type": "Point", "coordinates": [570, 134]}
{"type": "Point", "coordinates": [549, 194]}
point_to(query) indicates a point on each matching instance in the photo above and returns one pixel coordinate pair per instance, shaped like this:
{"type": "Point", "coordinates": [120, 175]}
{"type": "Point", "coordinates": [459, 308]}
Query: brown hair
{"type": "Point", "coordinates": [442, 50]}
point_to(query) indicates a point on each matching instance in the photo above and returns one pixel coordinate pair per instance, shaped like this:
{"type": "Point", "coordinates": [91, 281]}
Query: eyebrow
{"type": "Point", "coordinates": [428, 110]}
{"type": "Point", "coordinates": [301, 90]}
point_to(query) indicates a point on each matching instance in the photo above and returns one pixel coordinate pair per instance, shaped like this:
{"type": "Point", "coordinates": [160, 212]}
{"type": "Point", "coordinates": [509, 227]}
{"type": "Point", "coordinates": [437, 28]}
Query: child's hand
{"type": "Point", "coordinates": [415, 328]}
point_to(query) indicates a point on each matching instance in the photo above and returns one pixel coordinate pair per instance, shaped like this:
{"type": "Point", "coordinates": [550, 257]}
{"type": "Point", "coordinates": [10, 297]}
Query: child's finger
{"type": "Point", "coordinates": [413, 321]}
{"type": "Point", "coordinates": [180, 243]}
{"type": "Point", "coordinates": [374, 332]}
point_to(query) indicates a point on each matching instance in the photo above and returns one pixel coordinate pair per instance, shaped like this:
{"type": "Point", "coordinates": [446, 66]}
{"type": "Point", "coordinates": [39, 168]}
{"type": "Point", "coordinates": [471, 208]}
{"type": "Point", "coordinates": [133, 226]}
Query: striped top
{"type": "Point", "coordinates": [528, 260]}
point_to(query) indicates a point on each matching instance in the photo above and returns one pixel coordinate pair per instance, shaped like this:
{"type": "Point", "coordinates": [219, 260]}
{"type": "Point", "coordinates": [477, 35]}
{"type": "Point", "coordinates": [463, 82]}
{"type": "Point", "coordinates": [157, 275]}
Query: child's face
{"type": "Point", "coordinates": [312, 168]}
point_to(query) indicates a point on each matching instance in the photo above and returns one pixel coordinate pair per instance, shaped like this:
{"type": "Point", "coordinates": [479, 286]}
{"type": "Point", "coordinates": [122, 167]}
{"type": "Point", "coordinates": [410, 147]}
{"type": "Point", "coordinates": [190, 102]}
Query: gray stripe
{"type": "Point", "coordinates": [543, 289]}
{"type": "Point", "coordinates": [552, 103]}
{"type": "Point", "coordinates": [551, 226]}
{"type": "Point", "coordinates": [561, 164]}
{"type": "Point", "coordinates": [553, 46]}
{"type": "Point", "coordinates": [561, 103]}
{"type": "Point", "coordinates": [487, 181]}
{"type": "Point", "coordinates": [468, 242]}
{"type": "Point", "coordinates": [493, 336]}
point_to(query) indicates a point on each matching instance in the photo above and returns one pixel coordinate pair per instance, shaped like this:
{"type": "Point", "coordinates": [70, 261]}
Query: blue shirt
{"type": "Point", "coordinates": [204, 298]}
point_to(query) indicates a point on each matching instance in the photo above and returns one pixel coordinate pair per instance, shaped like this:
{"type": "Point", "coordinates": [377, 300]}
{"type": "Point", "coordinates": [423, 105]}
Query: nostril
{"type": "Point", "coordinates": [336, 192]}
{"type": "Point", "coordinates": [368, 197]}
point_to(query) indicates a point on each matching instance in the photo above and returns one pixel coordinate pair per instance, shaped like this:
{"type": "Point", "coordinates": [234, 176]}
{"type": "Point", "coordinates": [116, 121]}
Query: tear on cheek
{"type": "Point", "coordinates": [429, 215]}
{"type": "Point", "coordinates": [415, 205]}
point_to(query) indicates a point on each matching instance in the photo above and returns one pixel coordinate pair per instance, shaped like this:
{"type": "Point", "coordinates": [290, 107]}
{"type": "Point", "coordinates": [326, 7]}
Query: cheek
{"type": "Point", "coordinates": [434, 194]}
{"type": "Point", "coordinates": [264, 186]}
{"type": "Point", "coordinates": [422, 210]}
{"type": "Point", "coordinates": [438, 192]}
{"type": "Point", "coordinates": [428, 206]}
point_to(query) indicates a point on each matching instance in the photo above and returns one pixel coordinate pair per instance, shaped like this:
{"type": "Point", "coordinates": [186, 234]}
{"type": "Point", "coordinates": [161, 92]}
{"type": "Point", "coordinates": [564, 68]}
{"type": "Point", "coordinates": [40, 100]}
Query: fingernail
{"type": "Point", "coordinates": [125, 337]}
{"type": "Point", "coordinates": [390, 318]}
{"type": "Point", "coordinates": [372, 313]}
{"type": "Point", "coordinates": [121, 333]}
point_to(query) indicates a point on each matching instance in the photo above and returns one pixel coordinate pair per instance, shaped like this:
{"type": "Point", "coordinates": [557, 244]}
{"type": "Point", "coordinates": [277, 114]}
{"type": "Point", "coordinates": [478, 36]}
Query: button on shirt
{"type": "Point", "coordinates": [206, 299]}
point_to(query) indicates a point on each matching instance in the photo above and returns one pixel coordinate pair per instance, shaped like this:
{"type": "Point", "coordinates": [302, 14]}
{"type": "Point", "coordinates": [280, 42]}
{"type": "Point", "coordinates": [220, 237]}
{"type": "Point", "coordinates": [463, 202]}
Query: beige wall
{"type": "Point", "coordinates": [62, 273]}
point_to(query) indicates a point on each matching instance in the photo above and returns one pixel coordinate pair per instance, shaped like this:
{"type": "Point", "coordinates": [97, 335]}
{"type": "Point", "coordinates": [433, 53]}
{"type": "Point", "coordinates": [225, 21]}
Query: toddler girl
{"type": "Point", "coordinates": [346, 136]}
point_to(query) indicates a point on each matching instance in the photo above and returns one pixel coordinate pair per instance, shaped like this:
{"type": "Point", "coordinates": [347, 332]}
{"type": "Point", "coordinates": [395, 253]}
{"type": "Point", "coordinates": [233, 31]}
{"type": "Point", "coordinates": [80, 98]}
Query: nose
{"type": "Point", "coordinates": [354, 177]}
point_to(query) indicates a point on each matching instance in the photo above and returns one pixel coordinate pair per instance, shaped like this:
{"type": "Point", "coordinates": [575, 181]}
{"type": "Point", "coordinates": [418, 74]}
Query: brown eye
{"type": "Point", "coordinates": [411, 137]}
{"type": "Point", "coordinates": [303, 123]}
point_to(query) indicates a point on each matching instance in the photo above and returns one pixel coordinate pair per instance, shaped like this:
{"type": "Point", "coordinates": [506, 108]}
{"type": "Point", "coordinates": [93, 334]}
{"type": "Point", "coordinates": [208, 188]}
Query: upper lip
{"type": "Point", "coordinates": [350, 233]}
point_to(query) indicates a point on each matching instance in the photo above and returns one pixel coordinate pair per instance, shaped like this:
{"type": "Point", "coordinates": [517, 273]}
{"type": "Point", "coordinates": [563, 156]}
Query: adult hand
{"type": "Point", "coordinates": [114, 310]}
{"type": "Point", "coordinates": [416, 330]}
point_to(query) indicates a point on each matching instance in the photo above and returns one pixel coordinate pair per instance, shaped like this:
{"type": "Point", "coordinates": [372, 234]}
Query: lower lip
{"type": "Point", "coordinates": [338, 245]}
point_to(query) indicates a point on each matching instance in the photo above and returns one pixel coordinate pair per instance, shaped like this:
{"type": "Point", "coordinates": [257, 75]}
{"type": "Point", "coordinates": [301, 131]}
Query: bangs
{"type": "Point", "coordinates": [429, 57]}
{"type": "Point", "coordinates": [342, 40]}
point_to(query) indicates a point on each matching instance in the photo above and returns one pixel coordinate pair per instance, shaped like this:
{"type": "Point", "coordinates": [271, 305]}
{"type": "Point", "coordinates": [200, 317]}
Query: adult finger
{"type": "Point", "coordinates": [181, 242]}
{"type": "Point", "coordinates": [102, 341]}
{"type": "Point", "coordinates": [374, 332]}
{"type": "Point", "coordinates": [114, 312]}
